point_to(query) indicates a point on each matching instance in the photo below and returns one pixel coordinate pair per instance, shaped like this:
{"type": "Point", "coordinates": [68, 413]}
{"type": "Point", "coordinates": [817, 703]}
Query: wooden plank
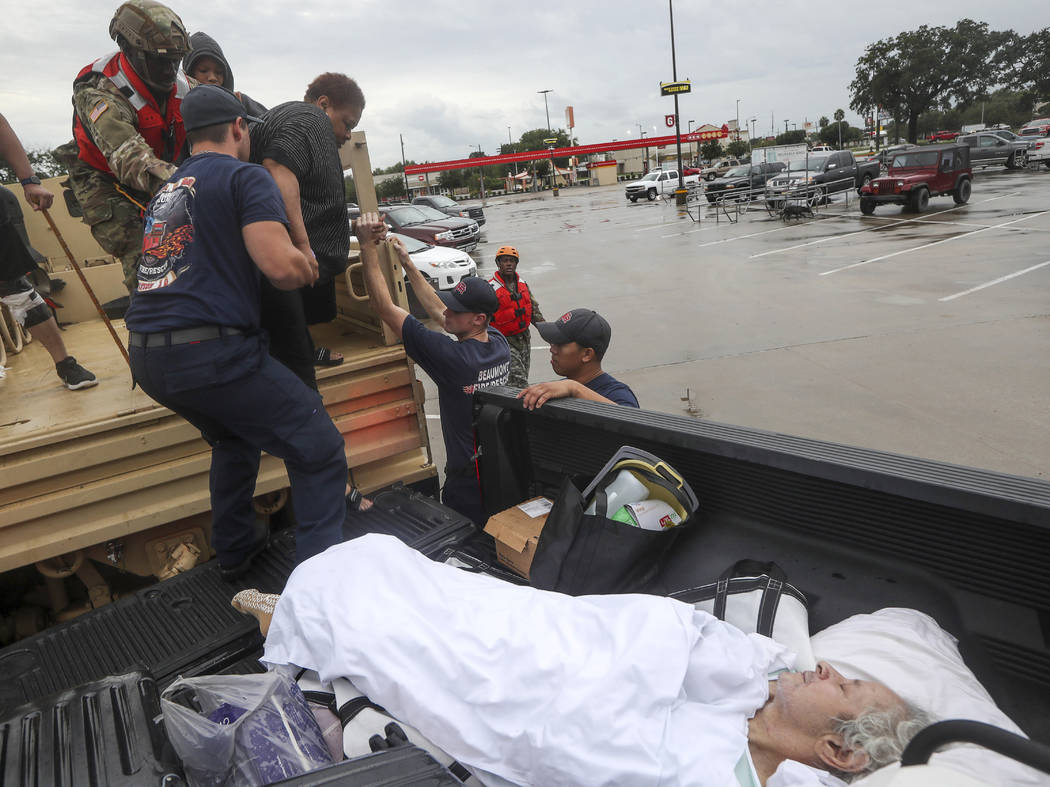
{"type": "Point", "coordinates": [103, 520]}
{"type": "Point", "coordinates": [409, 467]}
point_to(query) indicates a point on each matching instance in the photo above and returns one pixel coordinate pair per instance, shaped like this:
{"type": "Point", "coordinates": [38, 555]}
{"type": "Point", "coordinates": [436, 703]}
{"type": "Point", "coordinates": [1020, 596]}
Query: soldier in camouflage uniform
{"type": "Point", "coordinates": [128, 127]}
{"type": "Point", "coordinates": [518, 309]}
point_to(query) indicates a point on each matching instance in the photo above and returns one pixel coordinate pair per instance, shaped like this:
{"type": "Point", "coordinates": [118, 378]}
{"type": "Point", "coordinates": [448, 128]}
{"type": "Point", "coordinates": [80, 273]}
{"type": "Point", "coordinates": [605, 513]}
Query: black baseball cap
{"type": "Point", "coordinates": [584, 326]}
{"type": "Point", "coordinates": [472, 294]}
{"type": "Point", "coordinates": [209, 105]}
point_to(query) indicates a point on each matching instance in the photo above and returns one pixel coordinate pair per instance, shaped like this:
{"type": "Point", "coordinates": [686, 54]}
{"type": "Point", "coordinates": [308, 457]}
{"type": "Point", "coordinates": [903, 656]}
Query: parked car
{"type": "Point", "coordinates": [720, 167]}
{"type": "Point", "coordinates": [821, 174]}
{"type": "Point", "coordinates": [441, 267]}
{"type": "Point", "coordinates": [885, 154]}
{"type": "Point", "coordinates": [451, 208]}
{"type": "Point", "coordinates": [742, 179]}
{"type": "Point", "coordinates": [1036, 128]}
{"type": "Point", "coordinates": [919, 173]}
{"type": "Point", "coordinates": [944, 136]}
{"type": "Point", "coordinates": [431, 226]}
{"type": "Point", "coordinates": [816, 148]}
{"type": "Point", "coordinates": [988, 149]}
{"type": "Point", "coordinates": [659, 181]}
{"type": "Point", "coordinates": [1040, 151]}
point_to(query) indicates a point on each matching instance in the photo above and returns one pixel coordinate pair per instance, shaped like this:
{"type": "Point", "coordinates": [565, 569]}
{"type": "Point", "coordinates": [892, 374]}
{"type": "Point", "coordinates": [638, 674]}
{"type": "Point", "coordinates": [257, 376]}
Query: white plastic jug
{"type": "Point", "coordinates": [626, 488]}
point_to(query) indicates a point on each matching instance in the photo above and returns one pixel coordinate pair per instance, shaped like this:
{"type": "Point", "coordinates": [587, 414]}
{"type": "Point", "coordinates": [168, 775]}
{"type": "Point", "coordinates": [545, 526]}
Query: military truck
{"type": "Point", "coordinates": [103, 490]}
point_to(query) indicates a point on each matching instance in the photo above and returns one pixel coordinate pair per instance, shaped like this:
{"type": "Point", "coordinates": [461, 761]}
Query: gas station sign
{"type": "Point", "coordinates": [673, 88]}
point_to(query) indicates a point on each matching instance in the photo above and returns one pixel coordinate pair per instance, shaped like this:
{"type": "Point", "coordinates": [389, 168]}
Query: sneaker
{"type": "Point", "coordinates": [74, 375]}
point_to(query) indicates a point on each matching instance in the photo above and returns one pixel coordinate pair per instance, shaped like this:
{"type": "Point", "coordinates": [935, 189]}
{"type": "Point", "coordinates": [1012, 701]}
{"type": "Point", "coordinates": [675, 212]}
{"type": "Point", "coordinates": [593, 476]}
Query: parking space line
{"type": "Point", "coordinates": [881, 226]}
{"type": "Point", "coordinates": [690, 232]}
{"type": "Point", "coordinates": [752, 235]}
{"type": "Point", "coordinates": [934, 243]}
{"type": "Point", "coordinates": [993, 282]}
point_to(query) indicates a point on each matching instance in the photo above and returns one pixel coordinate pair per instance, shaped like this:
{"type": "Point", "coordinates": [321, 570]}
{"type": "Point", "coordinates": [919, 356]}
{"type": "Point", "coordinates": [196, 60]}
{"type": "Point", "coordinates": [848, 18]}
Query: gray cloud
{"type": "Point", "coordinates": [450, 75]}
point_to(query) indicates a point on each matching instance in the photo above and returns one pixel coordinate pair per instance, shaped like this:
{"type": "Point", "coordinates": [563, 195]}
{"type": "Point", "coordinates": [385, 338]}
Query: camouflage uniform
{"type": "Point", "coordinates": [115, 220]}
{"type": "Point", "coordinates": [520, 352]}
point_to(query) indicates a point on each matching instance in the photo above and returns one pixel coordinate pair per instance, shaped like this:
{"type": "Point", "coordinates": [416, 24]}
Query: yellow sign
{"type": "Point", "coordinates": [551, 141]}
{"type": "Point", "coordinates": [672, 88]}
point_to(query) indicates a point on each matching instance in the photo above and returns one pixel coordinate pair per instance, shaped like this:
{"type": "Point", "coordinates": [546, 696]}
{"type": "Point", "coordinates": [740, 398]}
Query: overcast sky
{"type": "Point", "coordinates": [452, 75]}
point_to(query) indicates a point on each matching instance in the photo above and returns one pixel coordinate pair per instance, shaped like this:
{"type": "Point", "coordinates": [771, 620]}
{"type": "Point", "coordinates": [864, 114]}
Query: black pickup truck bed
{"type": "Point", "coordinates": [856, 530]}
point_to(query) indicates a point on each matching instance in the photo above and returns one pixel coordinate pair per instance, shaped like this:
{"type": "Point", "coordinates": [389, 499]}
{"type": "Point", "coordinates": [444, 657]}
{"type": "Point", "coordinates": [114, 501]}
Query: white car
{"type": "Point", "coordinates": [1040, 151]}
{"type": "Point", "coordinates": [441, 266]}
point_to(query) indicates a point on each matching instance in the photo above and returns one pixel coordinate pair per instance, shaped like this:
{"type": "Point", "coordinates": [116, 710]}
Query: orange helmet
{"type": "Point", "coordinates": [507, 251]}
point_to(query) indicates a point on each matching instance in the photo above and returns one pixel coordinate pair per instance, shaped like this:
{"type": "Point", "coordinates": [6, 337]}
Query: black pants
{"type": "Point", "coordinates": [282, 317]}
{"type": "Point", "coordinates": [244, 401]}
{"type": "Point", "coordinates": [462, 493]}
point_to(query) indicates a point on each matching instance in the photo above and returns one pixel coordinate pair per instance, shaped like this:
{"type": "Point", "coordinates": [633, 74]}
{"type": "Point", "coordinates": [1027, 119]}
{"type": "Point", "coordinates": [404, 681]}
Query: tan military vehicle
{"type": "Point", "coordinates": [103, 486]}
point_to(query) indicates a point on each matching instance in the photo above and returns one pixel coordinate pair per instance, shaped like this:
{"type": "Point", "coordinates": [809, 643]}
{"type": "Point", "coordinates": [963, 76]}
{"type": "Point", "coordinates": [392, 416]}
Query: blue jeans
{"type": "Point", "coordinates": [244, 402]}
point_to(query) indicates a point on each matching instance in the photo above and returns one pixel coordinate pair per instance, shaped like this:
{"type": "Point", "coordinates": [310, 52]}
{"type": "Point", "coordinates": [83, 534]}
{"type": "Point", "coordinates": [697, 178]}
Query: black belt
{"type": "Point", "coordinates": [201, 333]}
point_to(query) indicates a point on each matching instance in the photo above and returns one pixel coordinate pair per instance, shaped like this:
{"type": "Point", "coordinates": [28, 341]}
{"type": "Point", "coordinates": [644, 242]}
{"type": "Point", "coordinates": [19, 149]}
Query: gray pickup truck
{"type": "Point", "coordinates": [821, 174]}
{"type": "Point", "coordinates": [990, 149]}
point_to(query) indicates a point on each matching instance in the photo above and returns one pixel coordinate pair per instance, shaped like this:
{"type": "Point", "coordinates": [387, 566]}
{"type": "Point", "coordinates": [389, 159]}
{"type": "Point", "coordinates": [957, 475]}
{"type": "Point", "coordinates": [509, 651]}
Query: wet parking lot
{"type": "Point", "coordinates": [924, 334]}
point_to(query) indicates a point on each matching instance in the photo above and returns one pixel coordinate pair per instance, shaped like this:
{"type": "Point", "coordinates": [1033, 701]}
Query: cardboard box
{"type": "Point", "coordinates": [517, 531]}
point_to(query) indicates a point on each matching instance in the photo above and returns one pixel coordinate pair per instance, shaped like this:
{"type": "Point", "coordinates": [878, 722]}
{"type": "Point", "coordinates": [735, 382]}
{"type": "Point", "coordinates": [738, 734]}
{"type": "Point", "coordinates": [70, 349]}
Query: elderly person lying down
{"type": "Point", "coordinates": [537, 688]}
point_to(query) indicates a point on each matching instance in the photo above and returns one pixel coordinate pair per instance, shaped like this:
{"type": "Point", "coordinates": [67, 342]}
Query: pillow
{"type": "Point", "coordinates": [909, 652]}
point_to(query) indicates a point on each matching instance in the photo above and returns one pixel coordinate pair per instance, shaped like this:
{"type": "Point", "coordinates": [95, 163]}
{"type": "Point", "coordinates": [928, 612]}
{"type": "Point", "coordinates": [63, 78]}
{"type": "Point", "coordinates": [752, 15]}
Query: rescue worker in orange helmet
{"type": "Point", "coordinates": [518, 309]}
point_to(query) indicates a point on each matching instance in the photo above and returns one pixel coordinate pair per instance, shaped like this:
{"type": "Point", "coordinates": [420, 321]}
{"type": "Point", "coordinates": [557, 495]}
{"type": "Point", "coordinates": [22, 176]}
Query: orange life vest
{"type": "Point", "coordinates": [514, 314]}
{"type": "Point", "coordinates": [164, 133]}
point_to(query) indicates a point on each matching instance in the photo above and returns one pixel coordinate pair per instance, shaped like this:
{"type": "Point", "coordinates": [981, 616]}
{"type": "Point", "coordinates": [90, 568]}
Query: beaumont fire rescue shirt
{"type": "Point", "coordinates": [458, 369]}
{"type": "Point", "coordinates": [195, 269]}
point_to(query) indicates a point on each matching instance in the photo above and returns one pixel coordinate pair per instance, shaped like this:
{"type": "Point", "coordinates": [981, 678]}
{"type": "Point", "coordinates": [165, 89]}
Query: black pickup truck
{"type": "Point", "coordinates": [821, 174]}
{"type": "Point", "coordinates": [856, 530]}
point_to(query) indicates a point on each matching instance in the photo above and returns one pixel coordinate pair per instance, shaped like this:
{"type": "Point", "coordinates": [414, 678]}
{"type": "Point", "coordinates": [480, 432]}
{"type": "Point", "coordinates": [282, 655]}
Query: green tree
{"type": "Point", "coordinates": [43, 162]}
{"type": "Point", "coordinates": [791, 137]}
{"type": "Point", "coordinates": [391, 188]}
{"type": "Point", "coordinates": [350, 189]}
{"type": "Point", "coordinates": [1027, 62]}
{"type": "Point", "coordinates": [711, 150]}
{"type": "Point", "coordinates": [840, 115]}
{"type": "Point", "coordinates": [737, 148]}
{"type": "Point", "coordinates": [924, 69]}
{"type": "Point", "coordinates": [533, 140]}
{"type": "Point", "coordinates": [823, 122]}
{"type": "Point", "coordinates": [451, 179]}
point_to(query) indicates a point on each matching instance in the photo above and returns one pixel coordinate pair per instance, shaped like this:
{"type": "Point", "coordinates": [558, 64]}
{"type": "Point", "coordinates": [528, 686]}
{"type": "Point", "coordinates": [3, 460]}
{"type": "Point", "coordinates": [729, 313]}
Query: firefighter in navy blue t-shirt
{"type": "Point", "coordinates": [578, 340]}
{"type": "Point", "coordinates": [478, 357]}
{"type": "Point", "coordinates": [211, 233]}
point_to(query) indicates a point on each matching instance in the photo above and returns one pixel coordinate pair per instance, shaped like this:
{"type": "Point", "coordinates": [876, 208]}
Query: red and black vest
{"type": "Point", "coordinates": [514, 314]}
{"type": "Point", "coordinates": [164, 133]}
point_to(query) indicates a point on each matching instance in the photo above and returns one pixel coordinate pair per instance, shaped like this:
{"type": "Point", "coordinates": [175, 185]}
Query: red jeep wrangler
{"type": "Point", "coordinates": [917, 173]}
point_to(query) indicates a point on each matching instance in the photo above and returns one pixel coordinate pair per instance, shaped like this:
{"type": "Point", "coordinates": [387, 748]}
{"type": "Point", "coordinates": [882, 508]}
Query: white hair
{"type": "Point", "coordinates": [882, 734]}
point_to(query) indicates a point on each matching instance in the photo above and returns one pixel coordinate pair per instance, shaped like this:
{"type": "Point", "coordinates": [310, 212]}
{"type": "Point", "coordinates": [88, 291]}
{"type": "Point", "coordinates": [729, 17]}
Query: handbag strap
{"type": "Point", "coordinates": [768, 609]}
{"type": "Point", "coordinates": [601, 502]}
{"type": "Point", "coordinates": [754, 568]}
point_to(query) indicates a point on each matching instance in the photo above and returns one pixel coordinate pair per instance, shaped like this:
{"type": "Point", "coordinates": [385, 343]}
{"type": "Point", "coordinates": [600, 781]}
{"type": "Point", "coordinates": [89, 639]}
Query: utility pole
{"type": "Point", "coordinates": [481, 172]}
{"type": "Point", "coordinates": [785, 127]}
{"type": "Point", "coordinates": [738, 120]}
{"type": "Point", "coordinates": [677, 121]}
{"type": "Point", "coordinates": [408, 194]}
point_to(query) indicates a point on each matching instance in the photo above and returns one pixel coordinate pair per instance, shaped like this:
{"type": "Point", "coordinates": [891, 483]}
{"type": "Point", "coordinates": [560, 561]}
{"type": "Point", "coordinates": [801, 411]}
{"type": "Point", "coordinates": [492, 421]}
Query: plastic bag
{"type": "Point", "coordinates": [242, 730]}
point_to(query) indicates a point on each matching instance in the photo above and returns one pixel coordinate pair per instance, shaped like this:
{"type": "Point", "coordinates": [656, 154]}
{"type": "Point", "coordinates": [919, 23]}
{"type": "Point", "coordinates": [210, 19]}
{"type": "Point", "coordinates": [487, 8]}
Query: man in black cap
{"type": "Point", "coordinates": [212, 232]}
{"type": "Point", "coordinates": [578, 341]}
{"type": "Point", "coordinates": [479, 357]}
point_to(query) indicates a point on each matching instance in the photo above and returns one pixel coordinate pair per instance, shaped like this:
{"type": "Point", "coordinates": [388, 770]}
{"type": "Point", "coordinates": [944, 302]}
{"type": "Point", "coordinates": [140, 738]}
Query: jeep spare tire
{"type": "Point", "coordinates": [961, 195]}
{"type": "Point", "coordinates": [867, 205]}
{"type": "Point", "coordinates": [920, 199]}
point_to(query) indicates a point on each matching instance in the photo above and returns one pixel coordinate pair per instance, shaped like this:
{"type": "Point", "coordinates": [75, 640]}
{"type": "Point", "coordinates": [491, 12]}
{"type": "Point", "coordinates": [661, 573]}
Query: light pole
{"type": "Point", "coordinates": [546, 108]}
{"type": "Point", "coordinates": [677, 123]}
{"type": "Point", "coordinates": [645, 161]}
{"type": "Point", "coordinates": [511, 143]}
{"type": "Point", "coordinates": [692, 147]}
{"type": "Point", "coordinates": [408, 195]}
{"type": "Point", "coordinates": [738, 120]}
{"type": "Point", "coordinates": [751, 138]}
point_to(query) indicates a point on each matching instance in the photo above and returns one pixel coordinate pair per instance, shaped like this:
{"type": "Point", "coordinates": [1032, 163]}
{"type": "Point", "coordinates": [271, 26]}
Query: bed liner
{"type": "Point", "coordinates": [855, 529]}
{"type": "Point", "coordinates": [186, 626]}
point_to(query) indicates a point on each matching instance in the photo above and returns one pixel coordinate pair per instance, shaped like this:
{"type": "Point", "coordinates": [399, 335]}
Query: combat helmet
{"type": "Point", "coordinates": [153, 38]}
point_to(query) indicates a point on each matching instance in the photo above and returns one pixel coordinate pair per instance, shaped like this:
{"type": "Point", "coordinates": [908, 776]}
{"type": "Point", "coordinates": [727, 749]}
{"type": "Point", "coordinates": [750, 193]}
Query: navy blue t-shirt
{"type": "Point", "coordinates": [612, 389]}
{"type": "Point", "coordinates": [194, 268]}
{"type": "Point", "coordinates": [458, 369]}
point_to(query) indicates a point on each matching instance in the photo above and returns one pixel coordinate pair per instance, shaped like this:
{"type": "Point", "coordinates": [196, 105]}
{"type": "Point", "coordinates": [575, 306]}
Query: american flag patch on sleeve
{"type": "Point", "coordinates": [97, 110]}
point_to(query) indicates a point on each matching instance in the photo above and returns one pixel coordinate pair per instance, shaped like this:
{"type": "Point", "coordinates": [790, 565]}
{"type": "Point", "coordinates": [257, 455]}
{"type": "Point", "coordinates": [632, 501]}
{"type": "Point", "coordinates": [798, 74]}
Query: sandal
{"type": "Point", "coordinates": [324, 357]}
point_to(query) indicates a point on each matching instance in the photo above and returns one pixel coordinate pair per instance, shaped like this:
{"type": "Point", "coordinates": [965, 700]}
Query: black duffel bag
{"type": "Point", "coordinates": [582, 553]}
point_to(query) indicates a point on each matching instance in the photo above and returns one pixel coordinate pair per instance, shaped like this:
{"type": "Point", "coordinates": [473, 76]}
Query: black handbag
{"type": "Point", "coordinates": [582, 554]}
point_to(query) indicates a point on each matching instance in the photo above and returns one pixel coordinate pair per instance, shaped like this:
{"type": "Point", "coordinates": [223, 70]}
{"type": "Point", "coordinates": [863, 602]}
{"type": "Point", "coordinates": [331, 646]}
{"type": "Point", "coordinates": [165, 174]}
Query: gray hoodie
{"type": "Point", "coordinates": [203, 45]}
